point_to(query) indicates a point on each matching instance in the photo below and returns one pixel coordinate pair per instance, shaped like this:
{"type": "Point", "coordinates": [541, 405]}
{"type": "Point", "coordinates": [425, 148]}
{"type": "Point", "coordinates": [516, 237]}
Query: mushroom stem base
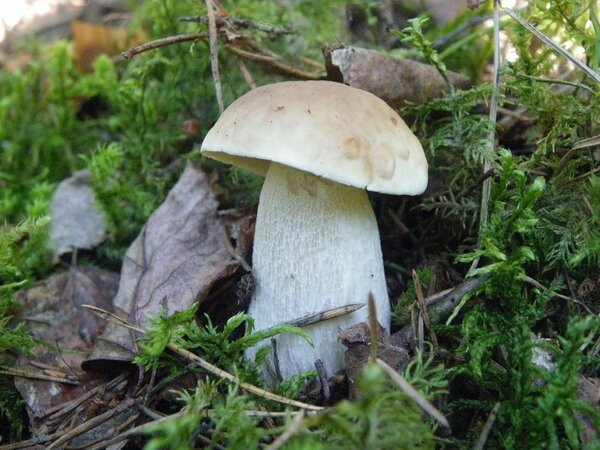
{"type": "Point", "coordinates": [316, 247]}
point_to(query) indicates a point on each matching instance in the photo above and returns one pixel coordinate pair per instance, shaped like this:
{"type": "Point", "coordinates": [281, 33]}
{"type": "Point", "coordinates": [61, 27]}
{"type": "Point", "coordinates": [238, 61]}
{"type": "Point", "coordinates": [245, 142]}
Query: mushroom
{"type": "Point", "coordinates": [321, 145]}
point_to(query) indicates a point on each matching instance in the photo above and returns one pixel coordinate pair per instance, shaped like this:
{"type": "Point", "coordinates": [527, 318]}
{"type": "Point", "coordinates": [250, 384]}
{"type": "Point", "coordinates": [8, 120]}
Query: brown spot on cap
{"type": "Point", "coordinates": [352, 148]}
{"type": "Point", "coordinates": [384, 163]}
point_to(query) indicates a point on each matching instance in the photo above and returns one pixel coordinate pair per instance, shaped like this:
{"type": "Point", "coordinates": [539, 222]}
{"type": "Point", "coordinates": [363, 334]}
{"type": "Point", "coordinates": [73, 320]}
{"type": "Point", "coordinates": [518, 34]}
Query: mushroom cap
{"type": "Point", "coordinates": [328, 129]}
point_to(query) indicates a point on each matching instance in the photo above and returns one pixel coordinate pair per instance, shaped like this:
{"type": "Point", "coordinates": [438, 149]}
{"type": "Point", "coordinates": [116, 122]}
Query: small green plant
{"type": "Point", "coordinates": [383, 417]}
{"type": "Point", "coordinates": [17, 262]}
{"type": "Point", "coordinates": [228, 422]}
{"type": "Point", "coordinates": [210, 418]}
{"type": "Point", "coordinates": [497, 333]}
{"type": "Point", "coordinates": [218, 346]}
{"type": "Point", "coordinates": [15, 254]}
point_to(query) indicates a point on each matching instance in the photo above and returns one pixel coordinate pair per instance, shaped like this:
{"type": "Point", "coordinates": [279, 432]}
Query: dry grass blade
{"type": "Point", "coordinates": [37, 376]}
{"type": "Point", "coordinates": [550, 43]}
{"type": "Point", "coordinates": [206, 365]}
{"type": "Point", "coordinates": [62, 409]}
{"type": "Point", "coordinates": [328, 314]}
{"type": "Point", "coordinates": [589, 142]}
{"type": "Point", "coordinates": [482, 439]}
{"type": "Point", "coordinates": [90, 424]}
{"type": "Point", "coordinates": [294, 427]}
{"type": "Point", "coordinates": [491, 141]}
{"type": "Point", "coordinates": [413, 394]}
{"type": "Point", "coordinates": [584, 143]}
{"type": "Point", "coordinates": [423, 308]}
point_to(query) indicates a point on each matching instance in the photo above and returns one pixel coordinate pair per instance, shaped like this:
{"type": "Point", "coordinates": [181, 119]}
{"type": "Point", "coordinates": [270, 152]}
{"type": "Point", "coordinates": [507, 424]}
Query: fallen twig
{"type": "Point", "coordinates": [214, 53]}
{"type": "Point", "coordinates": [276, 62]}
{"type": "Point", "coordinates": [163, 42]}
{"type": "Point", "coordinates": [443, 303]}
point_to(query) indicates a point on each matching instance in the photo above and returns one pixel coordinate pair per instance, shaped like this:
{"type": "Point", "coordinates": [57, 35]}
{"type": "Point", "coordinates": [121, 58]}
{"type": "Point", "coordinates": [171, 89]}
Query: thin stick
{"type": "Point", "coordinates": [294, 427]}
{"type": "Point", "coordinates": [205, 364]}
{"type": "Point", "coordinates": [423, 308]}
{"type": "Point", "coordinates": [491, 141]}
{"type": "Point", "coordinates": [489, 423]}
{"type": "Point", "coordinates": [413, 394]}
{"type": "Point", "coordinates": [163, 42]}
{"type": "Point", "coordinates": [214, 53]}
{"type": "Point", "coordinates": [537, 284]}
{"type": "Point", "coordinates": [373, 328]}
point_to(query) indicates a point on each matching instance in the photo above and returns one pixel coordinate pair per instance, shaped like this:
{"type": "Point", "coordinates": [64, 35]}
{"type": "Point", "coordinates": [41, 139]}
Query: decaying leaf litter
{"type": "Point", "coordinates": [159, 277]}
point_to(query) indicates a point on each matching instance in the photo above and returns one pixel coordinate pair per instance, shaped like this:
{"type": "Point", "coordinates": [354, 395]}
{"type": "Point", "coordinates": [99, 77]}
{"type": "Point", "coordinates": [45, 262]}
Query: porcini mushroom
{"type": "Point", "coordinates": [321, 146]}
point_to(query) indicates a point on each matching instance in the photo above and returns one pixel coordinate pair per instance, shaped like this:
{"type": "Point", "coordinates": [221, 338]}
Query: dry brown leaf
{"type": "Point", "coordinates": [172, 264]}
{"type": "Point", "coordinates": [52, 311]}
{"type": "Point", "coordinates": [92, 40]}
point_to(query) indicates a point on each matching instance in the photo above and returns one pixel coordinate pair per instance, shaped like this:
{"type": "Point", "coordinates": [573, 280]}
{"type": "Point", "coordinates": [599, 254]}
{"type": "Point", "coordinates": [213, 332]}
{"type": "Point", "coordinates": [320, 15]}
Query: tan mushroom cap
{"type": "Point", "coordinates": [328, 129]}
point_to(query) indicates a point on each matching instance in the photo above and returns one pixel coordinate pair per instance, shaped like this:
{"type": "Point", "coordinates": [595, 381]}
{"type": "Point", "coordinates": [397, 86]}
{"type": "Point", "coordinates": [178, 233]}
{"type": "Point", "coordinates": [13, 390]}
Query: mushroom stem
{"type": "Point", "coordinates": [316, 247]}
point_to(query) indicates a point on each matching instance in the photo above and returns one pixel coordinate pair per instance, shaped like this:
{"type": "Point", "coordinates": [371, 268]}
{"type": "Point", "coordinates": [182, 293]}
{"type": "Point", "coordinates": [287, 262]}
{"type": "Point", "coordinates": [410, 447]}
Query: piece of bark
{"type": "Point", "coordinates": [51, 310]}
{"type": "Point", "coordinates": [440, 306]}
{"type": "Point", "coordinates": [172, 264]}
{"type": "Point", "coordinates": [397, 81]}
{"type": "Point", "coordinates": [357, 340]}
{"type": "Point", "coordinates": [77, 223]}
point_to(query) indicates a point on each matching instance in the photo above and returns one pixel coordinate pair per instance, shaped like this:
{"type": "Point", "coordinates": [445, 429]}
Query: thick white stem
{"type": "Point", "coordinates": [316, 247]}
